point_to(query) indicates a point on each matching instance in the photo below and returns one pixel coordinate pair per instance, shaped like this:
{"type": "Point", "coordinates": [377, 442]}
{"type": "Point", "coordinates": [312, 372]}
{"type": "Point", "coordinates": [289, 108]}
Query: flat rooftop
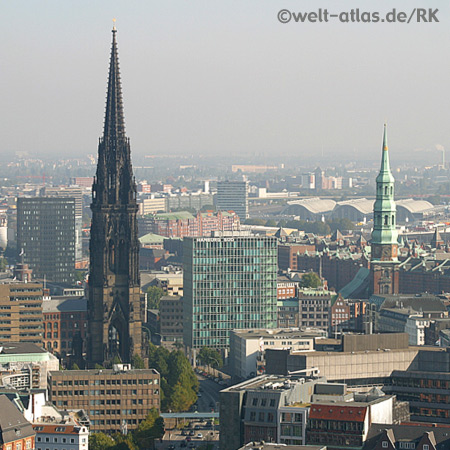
{"type": "Point", "coordinates": [73, 373]}
{"type": "Point", "coordinates": [279, 333]}
{"type": "Point", "coordinates": [17, 348]}
{"type": "Point", "coordinates": [270, 383]}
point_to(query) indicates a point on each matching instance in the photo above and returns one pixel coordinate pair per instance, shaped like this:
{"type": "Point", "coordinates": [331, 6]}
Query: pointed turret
{"type": "Point", "coordinates": [436, 241]}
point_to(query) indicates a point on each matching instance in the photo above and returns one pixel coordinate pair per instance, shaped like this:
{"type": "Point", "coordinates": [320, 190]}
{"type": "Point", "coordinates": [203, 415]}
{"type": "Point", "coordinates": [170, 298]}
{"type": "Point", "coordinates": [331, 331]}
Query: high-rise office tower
{"type": "Point", "coordinates": [384, 261]}
{"type": "Point", "coordinates": [229, 282]}
{"type": "Point", "coordinates": [76, 193]}
{"type": "Point", "coordinates": [233, 196]}
{"type": "Point", "coordinates": [115, 312]}
{"type": "Point", "coordinates": [46, 237]}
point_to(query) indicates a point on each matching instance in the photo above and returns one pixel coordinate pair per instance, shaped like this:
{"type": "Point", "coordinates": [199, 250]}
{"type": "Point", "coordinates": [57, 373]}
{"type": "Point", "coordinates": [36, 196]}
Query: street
{"type": "Point", "coordinates": [208, 394]}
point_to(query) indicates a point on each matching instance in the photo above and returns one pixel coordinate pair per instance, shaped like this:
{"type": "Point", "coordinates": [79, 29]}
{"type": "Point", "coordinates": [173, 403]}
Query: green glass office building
{"type": "Point", "coordinates": [229, 283]}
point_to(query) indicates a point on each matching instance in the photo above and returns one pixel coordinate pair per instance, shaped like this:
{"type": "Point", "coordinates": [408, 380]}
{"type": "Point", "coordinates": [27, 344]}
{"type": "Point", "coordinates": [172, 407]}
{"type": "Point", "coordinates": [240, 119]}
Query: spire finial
{"type": "Point", "coordinates": [114, 25]}
{"type": "Point", "coordinates": [385, 144]}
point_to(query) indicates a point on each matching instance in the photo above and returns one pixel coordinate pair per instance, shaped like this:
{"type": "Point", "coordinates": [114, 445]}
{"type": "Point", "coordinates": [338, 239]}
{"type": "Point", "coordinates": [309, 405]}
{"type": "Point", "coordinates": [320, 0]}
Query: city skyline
{"type": "Point", "coordinates": [224, 78]}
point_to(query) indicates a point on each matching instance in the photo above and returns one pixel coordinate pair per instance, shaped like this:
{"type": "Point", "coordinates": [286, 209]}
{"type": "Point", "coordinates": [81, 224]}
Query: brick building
{"type": "Point", "coordinates": [64, 318]}
{"type": "Point", "coordinates": [287, 255]}
{"type": "Point", "coordinates": [110, 397]}
{"type": "Point", "coordinates": [184, 224]}
{"type": "Point", "coordinates": [339, 315]}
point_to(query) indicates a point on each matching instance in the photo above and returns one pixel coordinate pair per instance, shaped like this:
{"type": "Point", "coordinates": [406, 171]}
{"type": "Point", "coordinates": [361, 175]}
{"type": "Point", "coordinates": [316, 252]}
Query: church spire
{"type": "Point", "coordinates": [384, 230]}
{"type": "Point", "coordinates": [114, 118]}
{"type": "Point", "coordinates": [385, 174]}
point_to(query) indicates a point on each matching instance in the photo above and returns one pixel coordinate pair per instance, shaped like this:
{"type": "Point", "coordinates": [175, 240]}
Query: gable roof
{"type": "Point", "coordinates": [13, 424]}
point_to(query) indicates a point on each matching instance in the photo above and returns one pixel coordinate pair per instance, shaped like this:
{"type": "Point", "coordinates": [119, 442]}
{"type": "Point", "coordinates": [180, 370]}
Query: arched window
{"type": "Point", "coordinates": [386, 190]}
{"type": "Point", "coordinates": [386, 219]}
{"type": "Point", "coordinates": [392, 189]}
{"type": "Point", "coordinates": [112, 258]}
{"type": "Point", "coordinates": [393, 221]}
{"type": "Point", "coordinates": [387, 273]}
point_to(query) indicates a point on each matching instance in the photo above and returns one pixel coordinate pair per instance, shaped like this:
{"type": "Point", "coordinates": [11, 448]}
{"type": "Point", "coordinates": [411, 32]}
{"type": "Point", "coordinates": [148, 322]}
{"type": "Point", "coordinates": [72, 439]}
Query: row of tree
{"type": "Point", "coordinates": [179, 385]}
{"type": "Point", "coordinates": [143, 437]}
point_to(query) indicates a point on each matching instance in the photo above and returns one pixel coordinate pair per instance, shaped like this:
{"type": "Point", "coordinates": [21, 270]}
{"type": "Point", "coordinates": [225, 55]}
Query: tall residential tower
{"type": "Point", "coordinates": [115, 312]}
{"type": "Point", "coordinates": [384, 247]}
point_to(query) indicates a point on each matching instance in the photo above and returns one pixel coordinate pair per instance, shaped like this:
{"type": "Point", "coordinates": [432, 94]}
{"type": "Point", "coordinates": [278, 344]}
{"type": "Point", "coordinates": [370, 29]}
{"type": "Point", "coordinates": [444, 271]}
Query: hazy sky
{"type": "Point", "coordinates": [210, 77]}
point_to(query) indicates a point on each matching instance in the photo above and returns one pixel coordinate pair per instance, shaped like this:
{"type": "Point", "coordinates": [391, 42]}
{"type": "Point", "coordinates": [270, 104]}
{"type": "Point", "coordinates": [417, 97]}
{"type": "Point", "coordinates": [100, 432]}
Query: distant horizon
{"type": "Point", "coordinates": [219, 78]}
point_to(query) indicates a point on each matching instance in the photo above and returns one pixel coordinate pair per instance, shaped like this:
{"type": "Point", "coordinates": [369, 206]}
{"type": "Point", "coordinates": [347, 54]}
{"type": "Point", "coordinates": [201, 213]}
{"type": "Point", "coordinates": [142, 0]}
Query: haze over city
{"type": "Point", "coordinates": [215, 78]}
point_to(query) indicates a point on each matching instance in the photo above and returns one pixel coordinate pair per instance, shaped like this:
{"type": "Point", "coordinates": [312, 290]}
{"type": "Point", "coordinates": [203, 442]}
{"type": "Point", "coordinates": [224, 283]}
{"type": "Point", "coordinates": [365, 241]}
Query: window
{"type": "Point", "coordinates": [426, 447]}
{"type": "Point", "coordinates": [384, 444]}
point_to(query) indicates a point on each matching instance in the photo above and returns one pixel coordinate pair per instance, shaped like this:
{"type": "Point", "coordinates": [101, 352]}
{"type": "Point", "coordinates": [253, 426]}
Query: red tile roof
{"type": "Point", "coordinates": [57, 428]}
{"type": "Point", "coordinates": [336, 412]}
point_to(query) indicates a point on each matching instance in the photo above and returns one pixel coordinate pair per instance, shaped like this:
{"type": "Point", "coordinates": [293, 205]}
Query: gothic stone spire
{"type": "Point", "coordinates": [115, 313]}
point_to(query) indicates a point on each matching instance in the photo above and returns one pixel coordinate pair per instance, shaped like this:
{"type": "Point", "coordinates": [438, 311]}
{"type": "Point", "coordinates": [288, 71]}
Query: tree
{"type": "Point", "coordinates": [75, 366]}
{"type": "Point", "coordinates": [205, 208]}
{"type": "Point", "coordinates": [154, 294]}
{"type": "Point", "coordinates": [310, 280]}
{"type": "Point", "coordinates": [137, 362]}
{"type": "Point", "coordinates": [210, 357]}
{"type": "Point", "coordinates": [151, 428]}
{"type": "Point", "coordinates": [98, 366]}
{"type": "Point", "coordinates": [100, 441]}
{"type": "Point", "coordinates": [177, 378]}
{"type": "Point", "coordinates": [271, 223]}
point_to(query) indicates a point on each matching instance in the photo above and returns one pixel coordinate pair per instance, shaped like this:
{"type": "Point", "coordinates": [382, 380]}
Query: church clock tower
{"type": "Point", "coordinates": [115, 311]}
{"type": "Point", "coordinates": [384, 246]}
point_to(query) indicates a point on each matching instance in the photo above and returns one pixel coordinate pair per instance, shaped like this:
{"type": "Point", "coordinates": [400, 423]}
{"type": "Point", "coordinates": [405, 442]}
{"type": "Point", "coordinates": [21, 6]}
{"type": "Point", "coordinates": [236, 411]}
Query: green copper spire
{"type": "Point", "coordinates": [384, 213]}
{"type": "Point", "coordinates": [385, 170]}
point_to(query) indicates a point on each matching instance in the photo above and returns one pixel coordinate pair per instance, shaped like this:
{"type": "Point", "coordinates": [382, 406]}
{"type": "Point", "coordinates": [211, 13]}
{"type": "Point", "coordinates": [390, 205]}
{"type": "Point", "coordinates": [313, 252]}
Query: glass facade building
{"type": "Point", "coordinates": [230, 282]}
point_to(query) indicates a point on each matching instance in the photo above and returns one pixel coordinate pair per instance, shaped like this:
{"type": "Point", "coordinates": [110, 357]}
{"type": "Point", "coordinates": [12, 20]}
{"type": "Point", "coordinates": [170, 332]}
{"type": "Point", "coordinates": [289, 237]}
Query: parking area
{"type": "Point", "coordinates": [197, 435]}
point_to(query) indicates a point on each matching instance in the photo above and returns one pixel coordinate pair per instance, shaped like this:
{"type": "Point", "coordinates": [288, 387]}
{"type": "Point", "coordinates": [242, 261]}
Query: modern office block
{"type": "Point", "coordinates": [46, 235]}
{"type": "Point", "coordinates": [233, 196]}
{"type": "Point", "coordinates": [112, 398]}
{"type": "Point", "coordinates": [21, 312]}
{"type": "Point", "coordinates": [229, 282]}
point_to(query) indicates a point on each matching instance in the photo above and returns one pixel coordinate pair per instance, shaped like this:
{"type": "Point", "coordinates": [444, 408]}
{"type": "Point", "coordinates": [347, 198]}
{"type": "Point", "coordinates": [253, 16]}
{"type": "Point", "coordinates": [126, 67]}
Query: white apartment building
{"type": "Point", "coordinates": [415, 327]}
{"type": "Point", "coordinates": [61, 436]}
{"type": "Point", "coordinates": [247, 347]}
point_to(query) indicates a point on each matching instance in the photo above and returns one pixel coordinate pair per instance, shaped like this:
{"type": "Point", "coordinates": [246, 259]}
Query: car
{"type": "Point", "coordinates": [171, 447]}
{"type": "Point", "coordinates": [200, 435]}
{"type": "Point", "coordinates": [188, 439]}
{"type": "Point", "coordinates": [197, 427]}
{"type": "Point", "coordinates": [192, 432]}
{"type": "Point", "coordinates": [184, 433]}
{"type": "Point", "coordinates": [199, 395]}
